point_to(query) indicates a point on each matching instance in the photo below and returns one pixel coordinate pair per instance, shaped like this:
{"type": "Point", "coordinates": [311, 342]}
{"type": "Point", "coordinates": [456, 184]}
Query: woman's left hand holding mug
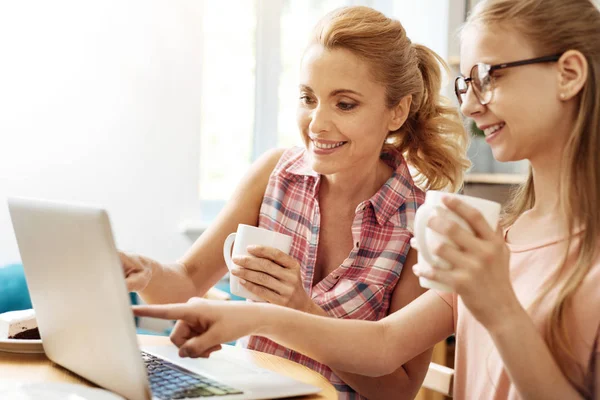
{"type": "Point", "coordinates": [274, 276]}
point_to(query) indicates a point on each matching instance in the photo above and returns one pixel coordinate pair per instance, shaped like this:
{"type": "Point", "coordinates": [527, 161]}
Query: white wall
{"type": "Point", "coordinates": [99, 103]}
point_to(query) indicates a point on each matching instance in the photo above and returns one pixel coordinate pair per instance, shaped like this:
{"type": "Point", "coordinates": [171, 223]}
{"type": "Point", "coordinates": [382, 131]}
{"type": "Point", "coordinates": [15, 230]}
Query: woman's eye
{"type": "Point", "coordinates": [346, 106]}
{"type": "Point", "coordinates": [306, 99]}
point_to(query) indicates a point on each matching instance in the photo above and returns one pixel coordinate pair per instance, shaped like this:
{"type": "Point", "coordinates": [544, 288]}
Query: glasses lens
{"type": "Point", "coordinates": [460, 88]}
{"type": "Point", "coordinates": [482, 83]}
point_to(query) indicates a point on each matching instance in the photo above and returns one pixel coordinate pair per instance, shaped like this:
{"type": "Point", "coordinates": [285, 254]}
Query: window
{"type": "Point", "coordinates": [251, 58]}
{"type": "Point", "coordinates": [228, 86]}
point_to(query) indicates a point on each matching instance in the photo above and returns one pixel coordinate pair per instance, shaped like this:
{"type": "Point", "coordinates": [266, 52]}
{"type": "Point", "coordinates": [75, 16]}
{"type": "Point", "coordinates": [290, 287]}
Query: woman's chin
{"type": "Point", "coordinates": [322, 169]}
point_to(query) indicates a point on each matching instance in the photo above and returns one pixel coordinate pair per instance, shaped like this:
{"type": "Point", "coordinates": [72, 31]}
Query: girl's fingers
{"type": "Point", "coordinates": [455, 233]}
{"type": "Point", "coordinates": [201, 345]}
{"type": "Point", "coordinates": [413, 243]}
{"type": "Point", "coordinates": [471, 215]}
{"type": "Point", "coordinates": [447, 277]}
{"type": "Point", "coordinates": [208, 352]}
{"type": "Point", "coordinates": [452, 257]}
{"type": "Point", "coordinates": [181, 333]}
{"type": "Point", "coordinates": [164, 311]}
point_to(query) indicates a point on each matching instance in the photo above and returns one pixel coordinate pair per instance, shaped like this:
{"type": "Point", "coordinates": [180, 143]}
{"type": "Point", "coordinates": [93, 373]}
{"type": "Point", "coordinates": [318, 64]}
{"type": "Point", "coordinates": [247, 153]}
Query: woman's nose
{"type": "Point", "coordinates": [320, 120]}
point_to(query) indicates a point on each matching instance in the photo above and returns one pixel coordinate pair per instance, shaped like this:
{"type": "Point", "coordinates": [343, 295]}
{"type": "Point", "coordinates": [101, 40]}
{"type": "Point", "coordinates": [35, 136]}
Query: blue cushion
{"type": "Point", "coordinates": [14, 294]}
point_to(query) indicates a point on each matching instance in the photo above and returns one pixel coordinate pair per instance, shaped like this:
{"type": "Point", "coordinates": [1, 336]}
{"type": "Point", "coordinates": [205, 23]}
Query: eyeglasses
{"type": "Point", "coordinates": [482, 80]}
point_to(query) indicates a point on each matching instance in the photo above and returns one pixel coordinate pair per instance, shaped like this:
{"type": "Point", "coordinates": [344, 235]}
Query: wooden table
{"type": "Point", "coordinates": [33, 368]}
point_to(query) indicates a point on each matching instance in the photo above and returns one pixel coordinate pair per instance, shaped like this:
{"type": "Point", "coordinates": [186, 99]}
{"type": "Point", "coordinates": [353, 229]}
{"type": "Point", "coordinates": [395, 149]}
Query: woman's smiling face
{"type": "Point", "coordinates": [342, 112]}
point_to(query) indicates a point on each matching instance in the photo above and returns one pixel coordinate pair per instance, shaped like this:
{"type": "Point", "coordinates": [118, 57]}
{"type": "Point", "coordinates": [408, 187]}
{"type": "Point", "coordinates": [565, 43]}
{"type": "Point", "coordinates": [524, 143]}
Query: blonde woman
{"type": "Point", "coordinates": [368, 106]}
{"type": "Point", "coordinates": [526, 307]}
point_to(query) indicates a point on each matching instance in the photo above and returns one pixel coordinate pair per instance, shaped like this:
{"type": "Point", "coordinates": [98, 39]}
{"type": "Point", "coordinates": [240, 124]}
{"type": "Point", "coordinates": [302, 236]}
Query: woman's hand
{"type": "Point", "coordinates": [137, 272]}
{"type": "Point", "coordinates": [478, 262]}
{"type": "Point", "coordinates": [274, 276]}
{"type": "Point", "coordinates": [204, 324]}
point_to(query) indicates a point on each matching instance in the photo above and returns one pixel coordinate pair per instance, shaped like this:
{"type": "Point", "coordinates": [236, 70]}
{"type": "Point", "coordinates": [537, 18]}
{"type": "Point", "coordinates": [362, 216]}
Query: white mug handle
{"type": "Point", "coordinates": [227, 245]}
{"type": "Point", "coordinates": [421, 218]}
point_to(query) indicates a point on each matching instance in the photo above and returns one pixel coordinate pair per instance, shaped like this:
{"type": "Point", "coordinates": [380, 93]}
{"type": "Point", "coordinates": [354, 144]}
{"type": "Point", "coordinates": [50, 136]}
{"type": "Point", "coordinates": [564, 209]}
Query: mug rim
{"type": "Point", "coordinates": [252, 227]}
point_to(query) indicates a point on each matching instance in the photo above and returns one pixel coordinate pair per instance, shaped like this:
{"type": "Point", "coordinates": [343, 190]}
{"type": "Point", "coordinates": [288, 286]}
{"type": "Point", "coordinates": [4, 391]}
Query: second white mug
{"type": "Point", "coordinates": [427, 239]}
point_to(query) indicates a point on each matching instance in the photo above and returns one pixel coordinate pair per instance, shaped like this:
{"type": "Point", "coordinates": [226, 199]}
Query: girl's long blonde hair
{"type": "Point", "coordinates": [553, 27]}
{"type": "Point", "coordinates": [433, 139]}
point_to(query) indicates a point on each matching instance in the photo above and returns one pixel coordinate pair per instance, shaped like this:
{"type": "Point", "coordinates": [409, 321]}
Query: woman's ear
{"type": "Point", "coordinates": [400, 113]}
{"type": "Point", "coordinates": [573, 72]}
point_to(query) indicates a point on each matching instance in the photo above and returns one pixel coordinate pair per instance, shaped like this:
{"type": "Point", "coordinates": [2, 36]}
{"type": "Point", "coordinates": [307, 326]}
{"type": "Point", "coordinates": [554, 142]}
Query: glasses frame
{"type": "Point", "coordinates": [489, 69]}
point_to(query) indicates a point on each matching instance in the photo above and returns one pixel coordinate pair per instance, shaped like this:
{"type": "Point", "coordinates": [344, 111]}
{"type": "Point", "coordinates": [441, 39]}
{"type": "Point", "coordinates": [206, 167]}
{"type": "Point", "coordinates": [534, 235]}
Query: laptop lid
{"type": "Point", "coordinates": [79, 294]}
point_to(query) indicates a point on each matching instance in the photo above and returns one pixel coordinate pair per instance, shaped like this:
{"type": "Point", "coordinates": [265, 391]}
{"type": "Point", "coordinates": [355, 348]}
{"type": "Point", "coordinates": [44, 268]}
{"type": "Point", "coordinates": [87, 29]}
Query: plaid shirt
{"type": "Point", "coordinates": [361, 287]}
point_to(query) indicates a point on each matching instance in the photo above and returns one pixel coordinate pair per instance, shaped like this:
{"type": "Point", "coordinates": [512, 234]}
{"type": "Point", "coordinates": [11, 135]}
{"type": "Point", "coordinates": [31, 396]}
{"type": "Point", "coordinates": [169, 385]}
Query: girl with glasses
{"type": "Point", "coordinates": [526, 301]}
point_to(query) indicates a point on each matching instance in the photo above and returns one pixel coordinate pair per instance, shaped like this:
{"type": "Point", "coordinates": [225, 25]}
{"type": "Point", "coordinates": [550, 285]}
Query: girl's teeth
{"type": "Point", "coordinates": [492, 129]}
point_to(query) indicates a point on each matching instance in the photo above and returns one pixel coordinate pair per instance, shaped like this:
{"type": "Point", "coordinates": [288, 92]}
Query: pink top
{"type": "Point", "coordinates": [479, 371]}
{"type": "Point", "coordinates": [361, 287]}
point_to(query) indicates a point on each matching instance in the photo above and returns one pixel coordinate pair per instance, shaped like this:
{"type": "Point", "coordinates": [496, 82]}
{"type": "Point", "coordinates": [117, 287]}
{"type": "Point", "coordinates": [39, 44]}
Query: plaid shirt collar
{"type": "Point", "coordinates": [388, 198]}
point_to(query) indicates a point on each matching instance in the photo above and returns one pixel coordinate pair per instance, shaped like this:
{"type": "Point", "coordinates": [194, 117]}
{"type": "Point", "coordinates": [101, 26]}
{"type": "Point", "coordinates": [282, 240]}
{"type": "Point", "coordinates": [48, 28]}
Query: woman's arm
{"type": "Point", "coordinates": [403, 383]}
{"type": "Point", "coordinates": [360, 347]}
{"type": "Point", "coordinates": [203, 264]}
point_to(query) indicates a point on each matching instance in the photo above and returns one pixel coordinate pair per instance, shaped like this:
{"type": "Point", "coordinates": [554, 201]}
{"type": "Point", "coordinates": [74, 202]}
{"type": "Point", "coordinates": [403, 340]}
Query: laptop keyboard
{"type": "Point", "coordinates": [170, 382]}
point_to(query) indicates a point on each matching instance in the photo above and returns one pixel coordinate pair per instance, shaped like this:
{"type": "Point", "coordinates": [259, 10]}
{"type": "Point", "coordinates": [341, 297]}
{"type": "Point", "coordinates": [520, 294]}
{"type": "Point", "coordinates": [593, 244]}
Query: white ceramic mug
{"type": "Point", "coordinates": [245, 236]}
{"type": "Point", "coordinates": [427, 239]}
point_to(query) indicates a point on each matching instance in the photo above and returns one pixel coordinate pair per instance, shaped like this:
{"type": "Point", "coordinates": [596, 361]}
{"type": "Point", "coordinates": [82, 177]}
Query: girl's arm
{"type": "Point", "coordinates": [360, 347]}
{"type": "Point", "coordinates": [364, 347]}
{"type": "Point", "coordinates": [403, 383]}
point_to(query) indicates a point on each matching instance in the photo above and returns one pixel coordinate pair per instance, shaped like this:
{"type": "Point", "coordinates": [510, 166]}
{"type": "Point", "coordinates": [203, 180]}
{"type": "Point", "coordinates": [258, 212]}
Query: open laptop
{"type": "Point", "coordinates": [84, 316]}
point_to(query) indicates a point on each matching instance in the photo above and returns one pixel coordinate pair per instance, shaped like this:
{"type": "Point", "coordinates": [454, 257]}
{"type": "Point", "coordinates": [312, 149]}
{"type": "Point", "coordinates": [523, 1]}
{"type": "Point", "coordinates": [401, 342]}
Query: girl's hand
{"type": "Point", "coordinates": [479, 270]}
{"type": "Point", "coordinates": [204, 324]}
{"type": "Point", "coordinates": [272, 275]}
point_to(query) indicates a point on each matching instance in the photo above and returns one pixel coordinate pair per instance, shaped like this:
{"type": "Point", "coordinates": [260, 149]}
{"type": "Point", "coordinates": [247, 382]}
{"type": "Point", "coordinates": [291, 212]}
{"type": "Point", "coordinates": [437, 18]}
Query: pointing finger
{"type": "Point", "coordinates": [163, 311]}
